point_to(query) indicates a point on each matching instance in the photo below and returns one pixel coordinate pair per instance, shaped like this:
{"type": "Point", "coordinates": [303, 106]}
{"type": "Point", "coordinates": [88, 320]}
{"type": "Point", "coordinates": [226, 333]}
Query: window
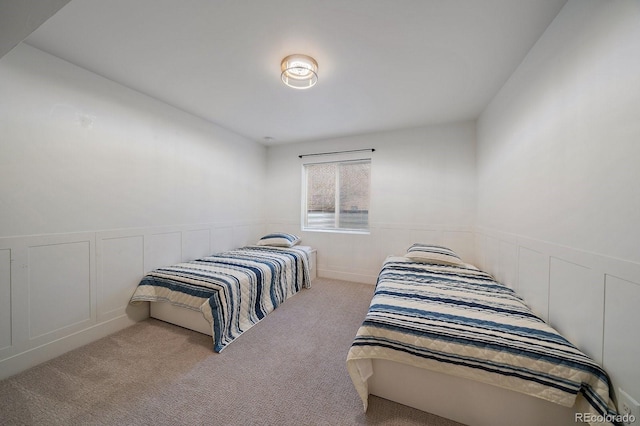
{"type": "Point", "coordinates": [336, 196]}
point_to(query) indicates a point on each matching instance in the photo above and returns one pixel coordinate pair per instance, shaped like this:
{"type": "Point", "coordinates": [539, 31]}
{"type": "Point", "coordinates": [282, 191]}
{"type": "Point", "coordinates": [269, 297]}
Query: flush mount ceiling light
{"type": "Point", "coordinates": [299, 71]}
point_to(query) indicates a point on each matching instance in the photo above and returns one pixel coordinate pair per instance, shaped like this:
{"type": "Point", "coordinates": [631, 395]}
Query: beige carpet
{"type": "Point", "coordinates": [287, 370]}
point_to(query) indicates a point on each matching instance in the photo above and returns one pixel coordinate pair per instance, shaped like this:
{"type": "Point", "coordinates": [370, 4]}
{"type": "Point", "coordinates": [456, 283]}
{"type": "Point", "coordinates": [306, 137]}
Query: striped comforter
{"type": "Point", "coordinates": [234, 290]}
{"type": "Point", "coordinates": [459, 321]}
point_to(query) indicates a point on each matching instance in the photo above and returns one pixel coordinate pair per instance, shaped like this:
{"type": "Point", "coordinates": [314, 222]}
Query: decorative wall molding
{"type": "Point", "coordinates": [61, 291]}
{"type": "Point", "coordinates": [358, 257]}
{"type": "Point", "coordinates": [89, 277]}
{"type": "Point", "coordinates": [590, 298]}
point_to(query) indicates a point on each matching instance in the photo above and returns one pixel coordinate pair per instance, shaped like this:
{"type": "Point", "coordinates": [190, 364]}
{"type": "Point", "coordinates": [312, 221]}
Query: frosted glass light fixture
{"type": "Point", "coordinates": [299, 71]}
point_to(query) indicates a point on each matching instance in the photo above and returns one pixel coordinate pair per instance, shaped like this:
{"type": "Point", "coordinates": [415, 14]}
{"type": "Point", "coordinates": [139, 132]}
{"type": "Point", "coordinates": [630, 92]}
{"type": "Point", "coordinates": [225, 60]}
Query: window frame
{"type": "Point", "coordinates": [304, 202]}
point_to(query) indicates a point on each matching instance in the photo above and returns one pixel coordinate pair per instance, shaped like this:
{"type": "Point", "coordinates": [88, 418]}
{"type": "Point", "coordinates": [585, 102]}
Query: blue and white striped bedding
{"type": "Point", "coordinates": [234, 290]}
{"type": "Point", "coordinates": [460, 321]}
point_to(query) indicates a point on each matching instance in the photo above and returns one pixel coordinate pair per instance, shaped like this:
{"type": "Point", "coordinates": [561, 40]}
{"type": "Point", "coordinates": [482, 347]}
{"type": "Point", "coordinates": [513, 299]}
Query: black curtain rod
{"type": "Point", "coordinates": [337, 152]}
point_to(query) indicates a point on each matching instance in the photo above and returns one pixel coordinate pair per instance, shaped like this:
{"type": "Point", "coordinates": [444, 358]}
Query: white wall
{"type": "Point", "coordinates": [98, 185]}
{"type": "Point", "coordinates": [558, 173]}
{"type": "Point", "coordinates": [18, 19]}
{"type": "Point", "coordinates": [82, 153]}
{"type": "Point", "coordinates": [422, 189]}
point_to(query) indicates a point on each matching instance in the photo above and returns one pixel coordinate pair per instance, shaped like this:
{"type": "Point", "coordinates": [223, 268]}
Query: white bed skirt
{"type": "Point", "coordinates": [465, 401]}
{"type": "Point", "coordinates": [193, 320]}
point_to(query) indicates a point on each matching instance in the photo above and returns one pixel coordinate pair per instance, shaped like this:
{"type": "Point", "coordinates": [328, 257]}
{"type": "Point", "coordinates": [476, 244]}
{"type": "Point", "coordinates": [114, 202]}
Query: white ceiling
{"type": "Point", "coordinates": [383, 64]}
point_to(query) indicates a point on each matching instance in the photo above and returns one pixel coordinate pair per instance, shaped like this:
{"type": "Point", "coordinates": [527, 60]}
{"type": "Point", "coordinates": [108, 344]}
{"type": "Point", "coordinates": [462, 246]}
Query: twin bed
{"type": "Point", "coordinates": [227, 293]}
{"type": "Point", "coordinates": [440, 335]}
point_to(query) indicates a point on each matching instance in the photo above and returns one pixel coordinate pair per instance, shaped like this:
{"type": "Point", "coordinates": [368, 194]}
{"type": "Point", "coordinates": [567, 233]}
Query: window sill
{"type": "Point", "coordinates": [338, 231]}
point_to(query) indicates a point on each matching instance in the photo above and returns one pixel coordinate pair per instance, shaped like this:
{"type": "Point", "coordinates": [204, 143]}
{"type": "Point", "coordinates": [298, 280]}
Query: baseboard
{"type": "Point", "coordinates": [32, 357]}
{"type": "Point", "coordinates": [347, 276]}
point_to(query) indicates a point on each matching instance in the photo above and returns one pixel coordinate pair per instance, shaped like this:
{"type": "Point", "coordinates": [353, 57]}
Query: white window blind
{"type": "Point", "coordinates": [336, 195]}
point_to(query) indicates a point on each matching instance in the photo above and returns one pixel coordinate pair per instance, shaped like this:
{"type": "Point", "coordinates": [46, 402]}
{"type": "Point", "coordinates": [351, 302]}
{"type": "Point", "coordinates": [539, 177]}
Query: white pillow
{"type": "Point", "coordinates": [428, 253]}
{"type": "Point", "coordinates": [279, 239]}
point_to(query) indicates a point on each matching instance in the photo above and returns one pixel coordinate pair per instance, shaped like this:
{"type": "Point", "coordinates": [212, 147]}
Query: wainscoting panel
{"type": "Point", "coordinates": [419, 235]}
{"type": "Point", "coordinates": [621, 335]}
{"type": "Point", "coordinates": [462, 242]}
{"type": "Point", "coordinates": [161, 249]}
{"type": "Point", "coordinates": [341, 256]}
{"type": "Point", "coordinates": [358, 257]}
{"type": "Point", "coordinates": [492, 262]}
{"type": "Point", "coordinates": [58, 292]}
{"type": "Point", "coordinates": [120, 268]}
{"type": "Point", "coordinates": [221, 239]}
{"type": "Point", "coordinates": [480, 245]}
{"type": "Point", "coordinates": [397, 241]}
{"type": "Point", "coordinates": [19, 295]}
{"type": "Point", "coordinates": [590, 298]}
{"type": "Point", "coordinates": [533, 280]}
{"type": "Point", "coordinates": [196, 243]}
{"type": "Point", "coordinates": [576, 305]}
{"type": "Point", "coordinates": [5, 298]}
{"type": "Point", "coordinates": [243, 235]}
{"type": "Point", "coordinates": [257, 231]}
{"type": "Point", "coordinates": [361, 259]}
{"type": "Point", "coordinates": [60, 286]}
{"type": "Point", "coordinates": [508, 263]}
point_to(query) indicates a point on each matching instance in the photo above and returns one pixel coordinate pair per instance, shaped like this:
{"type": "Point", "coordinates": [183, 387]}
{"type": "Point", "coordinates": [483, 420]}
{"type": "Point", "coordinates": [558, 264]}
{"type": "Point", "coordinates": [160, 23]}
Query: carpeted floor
{"type": "Point", "coordinates": [287, 370]}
